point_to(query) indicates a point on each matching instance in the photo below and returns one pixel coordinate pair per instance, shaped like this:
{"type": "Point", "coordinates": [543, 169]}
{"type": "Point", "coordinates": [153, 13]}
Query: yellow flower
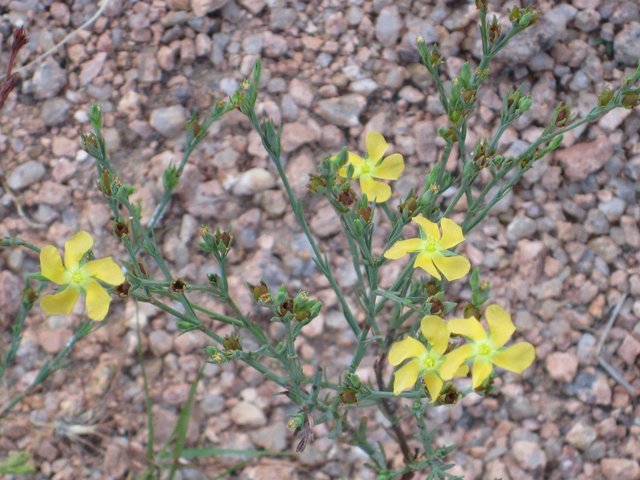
{"type": "Point", "coordinates": [78, 277]}
{"type": "Point", "coordinates": [429, 361]}
{"type": "Point", "coordinates": [434, 255]}
{"type": "Point", "coordinates": [488, 350]}
{"type": "Point", "coordinates": [373, 166]}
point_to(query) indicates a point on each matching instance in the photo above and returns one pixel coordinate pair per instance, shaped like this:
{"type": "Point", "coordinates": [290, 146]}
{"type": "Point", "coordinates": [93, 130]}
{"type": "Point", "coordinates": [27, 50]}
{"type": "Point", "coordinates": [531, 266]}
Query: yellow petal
{"type": "Point", "coordinates": [463, 371]}
{"type": "Point", "coordinates": [517, 358]}
{"type": "Point", "coordinates": [452, 268]}
{"type": "Point", "coordinates": [435, 330]}
{"type": "Point", "coordinates": [376, 146]}
{"type": "Point", "coordinates": [407, 348]}
{"type": "Point", "coordinates": [406, 377]}
{"type": "Point", "coordinates": [61, 302]}
{"type": "Point", "coordinates": [467, 327]}
{"type": "Point", "coordinates": [454, 360]}
{"type": "Point", "coordinates": [379, 191]}
{"type": "Point", "coordinates": [423, 260]}
{"type": "Point", "coordinates": [98, 300]}
{"type": "Point", "coordinates": [427, 226]}
{"type": "Point", "coordinates": [51, 265]}
{"type": "Point", "coordinates": [106, 270]}
{"type": "Point", "coordinates": [343, 172]}
{"type": "Point", "coordinates": [354, 159]}
{"type": "Point", "coordinates": [390, 168]}
{"type": "Point", "coordinates": [500, 325]}
{"type": "Point", "coordinates": [75, 248]}
{"type": "Point", "coordinates": [434, 385]}
{"type": "Point", "coordinates": [451, 234]}
{"type": "Point", "coordinates": [402, 247]}
{"type": "Point", "coordinates": [481, 371]}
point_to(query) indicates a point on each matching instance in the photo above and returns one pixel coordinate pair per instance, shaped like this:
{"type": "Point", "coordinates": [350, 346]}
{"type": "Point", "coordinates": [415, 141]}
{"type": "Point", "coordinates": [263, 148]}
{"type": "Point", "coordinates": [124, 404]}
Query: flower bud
{"type": "Point", "coordinates": [347, 197]}
{"type": "Point", "coordinates": [482, 4]}
{"type": "Point", "coordinates": [122, 290]}
{"type": "Point", "coordinates": [316, 183]}
{"type": "Point", "coordinates": [471, 311]}
{"type": "Point", "coordinates": [494, 30]}
{"type": "Point", "coordinates": [260, 292]}
{"type": "Point", "coordinates": [630, 100]}
{"type": "Point", "coordinates": [605, 97]}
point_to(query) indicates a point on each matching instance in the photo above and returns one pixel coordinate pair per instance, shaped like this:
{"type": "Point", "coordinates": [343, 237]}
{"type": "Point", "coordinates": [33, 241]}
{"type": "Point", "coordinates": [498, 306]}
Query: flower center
{"type": "Point", "coordinates": [428, 361]}
{"type": "Point", "coordinates": [484, 349]}
{"type": "Point", "coordinates": [430, 244]}
{"type": "Point", "coordinates": [365, 168]}
{"type": "Point", "coordinates": [78, 277]}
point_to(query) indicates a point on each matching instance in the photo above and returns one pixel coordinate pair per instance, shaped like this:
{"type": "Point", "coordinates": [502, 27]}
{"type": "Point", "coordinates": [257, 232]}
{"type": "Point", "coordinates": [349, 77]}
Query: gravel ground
{"type": "Point", "coordinates": [560, 251]}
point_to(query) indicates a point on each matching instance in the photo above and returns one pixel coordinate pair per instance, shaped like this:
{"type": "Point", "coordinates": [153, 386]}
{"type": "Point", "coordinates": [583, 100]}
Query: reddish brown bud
{"type": "Point", "coordinates": [347, 197]}
{"type": "Point", "coordinates": [122, 290]}
{"type": "Point", "coordinates": [178, 285]}
{"type": "Point", "coordinates": [231, 343]}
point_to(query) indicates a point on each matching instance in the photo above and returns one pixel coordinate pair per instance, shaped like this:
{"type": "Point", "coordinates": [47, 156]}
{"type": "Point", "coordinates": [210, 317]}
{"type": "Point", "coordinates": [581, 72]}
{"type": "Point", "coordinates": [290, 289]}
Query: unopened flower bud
{"type": "Point", "coordinates": [630, 100]}
{"type": "Point", "coordinates": [347, 197]}
{"type": "Point", "coordinates": [231, 343]}
{"type": "Point", "coordinates": [605, 97]}
{"type": "Point", "coordinates": [122, 290]}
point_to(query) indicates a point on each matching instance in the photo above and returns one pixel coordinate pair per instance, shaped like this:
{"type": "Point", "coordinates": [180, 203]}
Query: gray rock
{"type": "Point", "coordinates": [520, 408]}
{"type": "Point", "coordinates": [570, 462]}
{"type": "Point", "coordinates": [246, 414]}
{"type": "Point", "coordinates": [48, 79]}
{"type": "Point", "coordinates": [541, 36]}
{"type": "Point", "coordinates": [613, 209]}
{"type": "Point", "coordinates": [201, 7]}
{"type": "Point", "coordinates": [364, 86]}
{"type": "Point", "coordinates": [596, 451]}
{"type": "Point", "coordinates": [606, 248]}
{"type": "Point", "coordinates": [626, 45]}
{"type": "Point", "coordinates": [294, 135]}
{"type": "Point", "coordinates": [282, 18]}
{"type": "Point", "coordinates": [160, 342]}
{"type": "Point", "coordinates": [590, 386]}
{"type": "Point", "coordinates": [596, 222]}
{"type": "Point", "coordinates": [272, 438]}
{"type": "Point", "coordinates": [25, 175]}
{"type": "Point", "coordinates": [212, 403]}
{"type": "Point", "coordinates": [586, 349]}
{"type": "Point", "coordinates": [521, 227]}
{"type": "Point", "coordinates": [625, 13]}
{"type": "Point", "coordinates": [388, 26]}
{"type": "Point", "coordinates": [169, 121]}
{"type": "Point", "coordinates": [587, 20]}
{"type": "Point", "coordinates": [342, 111]}
{"type": "Point", "coordinates": [581, 435]}
{"type": "Point", "coordinates": [325, 222]}
{"type": "Point", "coordinates": [254, 181]}
{"type": "Point", "coordinates": [529, 455]}
{"type": "Point", "coordinates": [54, 111]}
{"type": "Point", "coordinates": [253, 44]}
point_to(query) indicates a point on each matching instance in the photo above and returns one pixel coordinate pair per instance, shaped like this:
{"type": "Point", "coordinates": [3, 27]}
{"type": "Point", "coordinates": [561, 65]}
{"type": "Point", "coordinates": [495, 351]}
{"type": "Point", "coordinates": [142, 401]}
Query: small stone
{"type": "Point", "coordinates": [10, 294]}
{"type": "Point", "coordinates": [274, 45]}
{"type": "Point", "coordinates": [521, 227]}
{"type": "Point", "coordinates": [54, 111]}
{"type": "Point", "coordinates": [629, 350]}
{"type": "Point", "coordinates": [246, 414]}
{"type": "Point", "coordinates": [620, 469]}
{"type": "Point", "coordinates": [606, 248]}
{"type": "Point", "coordinates": [325, 222]}
{"type": "Point", "coordinates": [188, 342]}
{"type": "Point", "coordinates": [613, 119]}
{"type": "Point", "coordinates": [562, 366]}
{"type": "Point", "coordinates": [92, 68]}
{"type": "Point", "coordinates": [53, 341]}
{"type": "Point", "coordinates": [272, 438]}
{"type": "Point", "coordinates": [295, 135]}
{"type": "Point", "coordinates": [148, 69]}
{"type": "Point", "coordinates": [25, 175]}
{"type": "Point", "coordinates": [388, 26]}
{"type": "Point", "coordinates": [529, 455]}
{"type": "Point", "coordinates": [254, 181]}
{"type": "Point", "coordinates": [342, 111]}
{"type": "Point", "coordinates": [202, 7]}
{"type": "Point", "coordinates": [626, 45]}
{"type": "Point", "coordinates": [411, 94]}
{"type": "Point", "coordinates": [586, 349]}
{"type": "Point", "coordinates": [60, 12]}
{"type": "Point", "coordinates": [282, 18]}
{"type": "Point", "coordinates": [64, 147]}
{"type": "Point", "coordinates": [160, 342]}
{"type": "Point", "coordinates": [581, 435]}
{"type": "Point", "coordinates": [578, 161]}
{"type": "Point", "coordinates": [587, 20]}
{"type": "Point", "coordinates": [570, 462]}
{"type": "Point", "coordinates": [254, 6]}
{"type": "Point", "coordinates": [169, 121]}
{"type": "Point", "coordinates": [176, 394]}
{"type": "Point", "coordinates": [301, 93]}
{"type": "Point", "coordinates": [591, 386]}
{"type": "Point", "coordinates": [48, 79]}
